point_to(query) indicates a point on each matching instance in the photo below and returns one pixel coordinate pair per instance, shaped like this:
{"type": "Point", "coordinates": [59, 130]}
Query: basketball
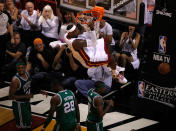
{"type": "Point", "coordinates": [164, 68]}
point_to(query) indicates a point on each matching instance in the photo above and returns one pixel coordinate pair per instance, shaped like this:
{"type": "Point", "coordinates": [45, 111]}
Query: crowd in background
{"type": "Point", "coordinates": [26, 34]}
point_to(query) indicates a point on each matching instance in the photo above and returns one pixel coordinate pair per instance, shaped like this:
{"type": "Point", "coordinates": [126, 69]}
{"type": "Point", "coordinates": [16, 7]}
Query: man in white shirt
{"type": "Point", "coordinates": [107, 32]}
{"type": "Point", "coordinates": [28, 23]}
{"type": "Point", "coordinates": [101, 73]}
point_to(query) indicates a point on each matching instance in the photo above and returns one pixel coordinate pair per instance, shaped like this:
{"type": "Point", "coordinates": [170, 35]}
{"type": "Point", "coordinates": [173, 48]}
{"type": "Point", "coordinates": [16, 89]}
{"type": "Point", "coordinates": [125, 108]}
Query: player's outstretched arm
{"type": "Point", "coordinates": [78, 127]}
{"type": "Point", "coordinates": [55, 100]}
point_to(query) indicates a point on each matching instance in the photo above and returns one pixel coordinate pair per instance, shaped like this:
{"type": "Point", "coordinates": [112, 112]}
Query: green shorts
{"type": "Point", "coordinates": [91, 126]}
{"type": "Point", "coordinates": [22, 114]}
{"type": "Point", "coordinates": [64, 127]}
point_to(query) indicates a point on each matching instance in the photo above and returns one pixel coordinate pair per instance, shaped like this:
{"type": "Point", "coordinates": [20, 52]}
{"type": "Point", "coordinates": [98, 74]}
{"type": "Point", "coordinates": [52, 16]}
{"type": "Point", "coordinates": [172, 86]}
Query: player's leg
{"type": "Point", "coordinates": [68, 127]}
{"type": "Point", "coordinates": [91, 126]}
{"type": "Point", "coordinates": [94, 126]}
{"type": "Point", "coordinates": [16, 113]}
{"type": "Point", "coordinates": [26, 115]}
{"type": "Point", "coordinates": [57, 127]}
{"type": "Point", "coordinates": [99, 126]}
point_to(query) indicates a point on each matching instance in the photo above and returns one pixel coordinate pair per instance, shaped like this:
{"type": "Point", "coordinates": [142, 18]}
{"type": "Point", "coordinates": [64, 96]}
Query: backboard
{"type": "Point", "coordinates": [120, 10]}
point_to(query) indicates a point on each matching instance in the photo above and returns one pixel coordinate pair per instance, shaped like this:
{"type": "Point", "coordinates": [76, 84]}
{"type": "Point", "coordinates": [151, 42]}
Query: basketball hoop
{"type": "Point", "coordinates": [95, 15]}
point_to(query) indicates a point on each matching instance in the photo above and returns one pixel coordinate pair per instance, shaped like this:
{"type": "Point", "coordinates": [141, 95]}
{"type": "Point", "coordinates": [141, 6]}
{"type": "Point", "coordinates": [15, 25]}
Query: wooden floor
{"type": "Point", "coordinates": [40, 104]}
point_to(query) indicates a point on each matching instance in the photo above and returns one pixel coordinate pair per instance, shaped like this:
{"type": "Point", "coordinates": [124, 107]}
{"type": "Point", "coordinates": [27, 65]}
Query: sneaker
{"type": "Point", "coordinates": [119, 69]}
{"type": "Point", "coordinates": [121, 79]}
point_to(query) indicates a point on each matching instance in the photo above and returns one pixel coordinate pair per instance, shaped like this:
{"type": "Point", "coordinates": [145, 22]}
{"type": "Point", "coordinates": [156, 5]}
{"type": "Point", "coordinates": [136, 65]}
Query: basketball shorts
{"type": "Point", "coordinates": [94, 126]}
{"type": "Point", "coordinates": [22, 114]}
{"type": "Point", "coordinates": [64, 127]}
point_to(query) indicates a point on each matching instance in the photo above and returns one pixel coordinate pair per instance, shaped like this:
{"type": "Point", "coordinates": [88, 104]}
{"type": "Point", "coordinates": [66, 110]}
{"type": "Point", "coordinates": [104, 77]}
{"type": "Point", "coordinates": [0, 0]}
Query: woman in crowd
{"type": "Point", "coordinates": [13, 11]}
{"type": "Point", "coordinates": [68, 18]}
{"type": "Point", "coordinates": [128, 43]}
{"type": "Point", "coordinates": [49, 25]}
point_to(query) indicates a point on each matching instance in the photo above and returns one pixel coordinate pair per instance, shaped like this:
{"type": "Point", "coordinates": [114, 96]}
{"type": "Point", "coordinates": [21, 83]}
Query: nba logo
{"type": "Point", "coordinates": [162, 44]}
{"type": "Point", "coordinates": [141, 88]}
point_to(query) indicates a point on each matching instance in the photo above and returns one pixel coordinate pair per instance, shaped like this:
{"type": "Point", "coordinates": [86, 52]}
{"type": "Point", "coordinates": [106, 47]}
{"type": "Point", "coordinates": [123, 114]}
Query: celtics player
{"type": "Point", "coordinates": [96, 107]}
{"type": "Point", "coordinates": [20, 94]}
{"type": "Point", "coordinates": [66, 107]}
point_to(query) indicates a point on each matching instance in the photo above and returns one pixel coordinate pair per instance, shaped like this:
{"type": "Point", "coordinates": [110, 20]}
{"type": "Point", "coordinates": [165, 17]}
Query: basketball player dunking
{"type": "Point", "coordinates": [90, 51]}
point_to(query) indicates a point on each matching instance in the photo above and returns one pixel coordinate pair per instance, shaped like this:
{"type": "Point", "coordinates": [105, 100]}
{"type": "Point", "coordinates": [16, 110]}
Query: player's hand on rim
{"type": "Point", "coordinates": [91, 25]}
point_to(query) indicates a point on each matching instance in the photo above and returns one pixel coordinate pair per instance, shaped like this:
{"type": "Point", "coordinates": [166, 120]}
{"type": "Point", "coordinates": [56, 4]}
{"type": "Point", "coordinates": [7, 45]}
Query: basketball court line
{"type": "Point", "coordinates": [4, 92]}
{"type": "Point", "coordinates": [137, 124]}
{"type": "Point", "coordinates": [118, 123]}
{"type": "Point", "coordinates": [112, 121]}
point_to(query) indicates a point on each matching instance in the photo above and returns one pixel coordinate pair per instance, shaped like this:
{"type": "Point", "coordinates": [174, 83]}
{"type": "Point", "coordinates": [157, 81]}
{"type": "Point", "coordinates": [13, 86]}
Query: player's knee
{"type": "Point", "coordinates": [78, 83]}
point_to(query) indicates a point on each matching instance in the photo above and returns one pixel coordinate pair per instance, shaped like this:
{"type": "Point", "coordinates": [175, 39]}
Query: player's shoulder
{"type": "Point", "coordinates": [90, 91]}
{"type": "Point", "coordinates": [55, 98]}
{"type": "Point", "coordinates": [15, 81]}
{"type": "Point", "coordinates": [97, 100]}
{"type": "Point", "coordinates": [70, 92]}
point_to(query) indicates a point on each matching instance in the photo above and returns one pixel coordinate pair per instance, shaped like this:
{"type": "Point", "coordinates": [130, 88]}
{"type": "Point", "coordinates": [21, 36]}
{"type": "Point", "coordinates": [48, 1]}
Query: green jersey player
{"type": "Point", "coordinates": [20, 94]}
{"type": "Point", "coordinates": [96, 104]}
{"type": "Point", "coordinates": [66, 107]}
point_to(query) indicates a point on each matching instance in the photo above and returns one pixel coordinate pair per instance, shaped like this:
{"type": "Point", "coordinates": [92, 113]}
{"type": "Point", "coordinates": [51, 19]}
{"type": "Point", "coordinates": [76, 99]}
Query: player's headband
{"type": "Point", "coordinates": [100, 87]}
{"type": "Point", "coordinates": [20, 63]}
{"type": "Point", "coordinates": [72, 29]}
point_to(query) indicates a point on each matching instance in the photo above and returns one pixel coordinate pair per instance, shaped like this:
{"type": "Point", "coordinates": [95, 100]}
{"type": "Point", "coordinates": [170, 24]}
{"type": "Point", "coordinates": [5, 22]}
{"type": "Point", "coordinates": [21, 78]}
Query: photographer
{"type": "Point", "coordinates": [128, 43]}
{"type": "Point", "coordinates": [71, 68]}
{"type": "Point", "coordinates": [69, 65]}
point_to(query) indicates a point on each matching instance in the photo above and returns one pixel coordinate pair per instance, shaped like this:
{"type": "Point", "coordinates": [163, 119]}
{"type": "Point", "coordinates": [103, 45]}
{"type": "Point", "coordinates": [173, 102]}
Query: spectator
{"type": "Point", "coordinates": [49, 25]}
{"type": "Point", "coordinates": [101, 73]}
{"type": "Point", "coordinates": [71, 68]}
{"type": "Point", "coordinates": [29, 24]}
{"type": "Point", "coordinates": [5, 29]}
{"type": "Point", "coordinates": [13, 11]}
{"type": "Point", "coordinates": [107, 32]}
{"type": "Point", "coordinates": [14, 51]}
{"type": "Point", "coordinates": [128, 43]}
{"type": "Point", "coordinates": [40, 58]}
{"type": "Point", "coordinates": [69, 65]}
{"type": "Point", "coordinates": [68, 18]}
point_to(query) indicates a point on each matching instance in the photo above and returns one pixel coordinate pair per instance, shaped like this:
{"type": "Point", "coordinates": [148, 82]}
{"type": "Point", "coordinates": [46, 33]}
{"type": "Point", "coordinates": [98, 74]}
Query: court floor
{"type": "Point", "coordinates": [113, 121]}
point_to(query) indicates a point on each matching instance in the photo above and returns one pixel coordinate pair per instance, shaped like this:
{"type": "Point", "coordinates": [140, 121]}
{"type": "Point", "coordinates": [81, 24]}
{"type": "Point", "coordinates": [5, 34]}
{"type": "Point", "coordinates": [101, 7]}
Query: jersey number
{"type": "Point", "coordinates": [69, 106]}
